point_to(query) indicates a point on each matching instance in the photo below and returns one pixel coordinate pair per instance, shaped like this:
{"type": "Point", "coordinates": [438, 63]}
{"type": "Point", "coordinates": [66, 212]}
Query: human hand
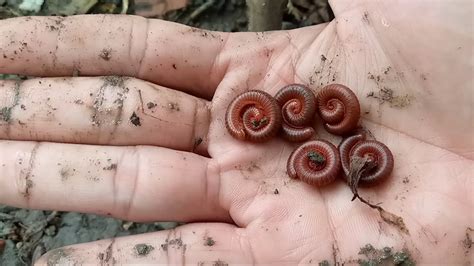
{"type": "Point", "coordinates": [149, 161]}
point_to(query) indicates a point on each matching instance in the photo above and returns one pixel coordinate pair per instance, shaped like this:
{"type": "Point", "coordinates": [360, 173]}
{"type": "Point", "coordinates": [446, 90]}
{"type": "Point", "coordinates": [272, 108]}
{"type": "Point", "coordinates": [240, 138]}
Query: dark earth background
{"type": "Point", "coordinates": [25, 235]}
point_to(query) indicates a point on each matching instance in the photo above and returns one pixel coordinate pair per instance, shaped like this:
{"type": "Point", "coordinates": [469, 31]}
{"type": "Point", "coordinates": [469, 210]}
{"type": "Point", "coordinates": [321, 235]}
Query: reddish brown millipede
{"type": "Point", "coordinates": [339, 108]}
{"type": "Point", "coordinates": [254, 116]}
{"type": "Point", "coordinates": [315, 162]}
{"type": "Point", "coordinates": [298, 107]}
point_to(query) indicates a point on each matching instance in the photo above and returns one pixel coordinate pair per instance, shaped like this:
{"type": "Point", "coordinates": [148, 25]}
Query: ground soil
{"type": "Point", "coordinates": [25, 235]}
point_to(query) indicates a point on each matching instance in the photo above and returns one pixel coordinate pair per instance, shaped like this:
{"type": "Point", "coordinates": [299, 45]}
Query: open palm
{"type": "Point", "coordinates": [135, 150]}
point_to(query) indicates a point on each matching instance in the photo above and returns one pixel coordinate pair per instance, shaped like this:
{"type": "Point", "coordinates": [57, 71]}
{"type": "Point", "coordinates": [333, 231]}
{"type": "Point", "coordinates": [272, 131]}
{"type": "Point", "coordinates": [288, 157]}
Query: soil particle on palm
{"type": "Point", "coordinates": [384, 256]}
{"type": "Point", "coordinates": [135, 120]}
{"type": "Point", "coordinates": [386, 94]}
{"type": "Point", "coordinates": [220, 263]}
{"type": "Point", "coordinates": [143, 249]}
{"type": "Point", "coordinates": [324, 263]}
{"type": "Point", "coordinates": [110, 167]}
{"type": "Point", "coordinates": [208, 241]}
{"type": "Point", "coordinates": [366, 18]}
{"type": "Point", "coordinates": [176, 243]}
{"type": "Point", "coordinates": [106, 54]}
{"type": "Point", "coordinates": [467, 242]}
{"type": "Point", "coordinates": [106, 257]}
{"type": "Point", "coordinates": [197, 142]}
{"type": "Point", "coordinates": [151, 105]}
{"type": "Point", "coordinates": [66, 172]}
{"type": "Point", "coordinates": [173, 106]}
{"type": "Point", "coordinates": [6, 111]}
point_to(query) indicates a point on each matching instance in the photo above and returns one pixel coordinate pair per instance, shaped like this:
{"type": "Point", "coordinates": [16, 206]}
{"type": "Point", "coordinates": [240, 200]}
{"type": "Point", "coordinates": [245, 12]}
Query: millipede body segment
{"type": "Point", "coordinates": [339, 108]}
{"type": "Point", "coordinates": [298, 107]}
{"type": "Point", "coordinates": [379, 159]}
{"type": "Point", "coordinates": [254, 116]}
{"type": "Point", "coordinates": [315, 162]}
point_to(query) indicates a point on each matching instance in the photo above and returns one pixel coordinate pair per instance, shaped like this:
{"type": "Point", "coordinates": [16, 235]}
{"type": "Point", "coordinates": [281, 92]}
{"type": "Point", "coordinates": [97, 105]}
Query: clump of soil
{"type": "Point", "coordinates": [384, 256]}
{"type": "Point", "coordinates": [143, 249]}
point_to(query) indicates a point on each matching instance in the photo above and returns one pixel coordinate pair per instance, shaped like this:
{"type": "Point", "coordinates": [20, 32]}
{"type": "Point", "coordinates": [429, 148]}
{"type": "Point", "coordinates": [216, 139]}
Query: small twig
{"type": "Point", "coordinates": [294, 11]}
{"type": "Point", "coordinates": [124, 7]}
{"type": "Point", "coordinates": [11, 11]}
{"type": "Point", "coordinates": [196, 13]}
{"type": "Point", "coordinates": [265, 15]}
{"type": "Point", "coordinates": [358, 166]}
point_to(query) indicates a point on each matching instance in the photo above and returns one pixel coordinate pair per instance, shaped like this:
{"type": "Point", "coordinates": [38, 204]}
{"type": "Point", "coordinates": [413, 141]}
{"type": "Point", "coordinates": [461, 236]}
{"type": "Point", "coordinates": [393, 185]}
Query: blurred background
{"type": "Point", "coordinates": [25, 235]}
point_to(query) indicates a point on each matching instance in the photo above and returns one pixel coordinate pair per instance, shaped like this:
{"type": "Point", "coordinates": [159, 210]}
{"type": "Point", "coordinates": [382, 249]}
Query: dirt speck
{"type": "Point", "coordinates": [365, 17]}
{"type": "Point", "coordinates": [252, 167]}
{"type": "Point", "coordinates": [176, 243]}
{"type": "Point", "coordinates": [135, 120]}
{"type": "Point", "coordinates": [6, 112]}
{"type": "Point", "coordinates": [387, 95]}
{"type": "Point", "coordinates": [220, 263]}
{"type": "Point", "coordinates": [143, 249]}
{"type": "Point", "coordinates": [173, 106]}
{"type": "Point", "coordinates": [107, 256]}
{"type": "Point", "coordinates": [276, 192]}
{"type": "Point", "coordinates": [394, 220]}
{"type": "Point", "coordinates": [115, 81]}
{"type": "Point", "coordinates": [406, 180]}
{"type": "Point", "coordinates": [79, 101]}
{"type": "Point", "coordinates": [197, 142]}
{"type": "Point", "coordinates": [174, 66]}
{"type": "Point", "coordinates": [324, 263]}
{"type": "Point", "coordinates": [323, 58]}
{"type": "Point", "coordinates": [151, 105]}
{"type": "Point", "coordinates": [467, 241]}
{"type": "Point", "coordinates": [106, 54]}
{"type": "Point", "coordinates": [110, 167]}
{"type": "Point", "coordinates": [65, 173]}
{"type": "Point", "coordinates": [208, 241]}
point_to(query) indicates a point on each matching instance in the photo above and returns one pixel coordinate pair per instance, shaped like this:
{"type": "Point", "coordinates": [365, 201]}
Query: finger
{"type": "Point", "coordinates": [193, 244]}
{"type": "Point", "coordinates": [108, 110]}
{"type": "Point", "coordinates": [166, 53]}
{"type": "Point", "coordinates": [139, 183]}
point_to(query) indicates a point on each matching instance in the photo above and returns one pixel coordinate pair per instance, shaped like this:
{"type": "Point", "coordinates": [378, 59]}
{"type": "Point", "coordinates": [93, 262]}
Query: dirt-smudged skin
{"type": "Point", "coordinates": [378, 154]}
{"type": "Point", "coordinates": [298, 107]}
{"type": "Point", "coordinates": [339, 108]}
{"type": "Point", "coordinates": [253, 116]}
{"type": "Point", "coordinates": [315, 162]}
